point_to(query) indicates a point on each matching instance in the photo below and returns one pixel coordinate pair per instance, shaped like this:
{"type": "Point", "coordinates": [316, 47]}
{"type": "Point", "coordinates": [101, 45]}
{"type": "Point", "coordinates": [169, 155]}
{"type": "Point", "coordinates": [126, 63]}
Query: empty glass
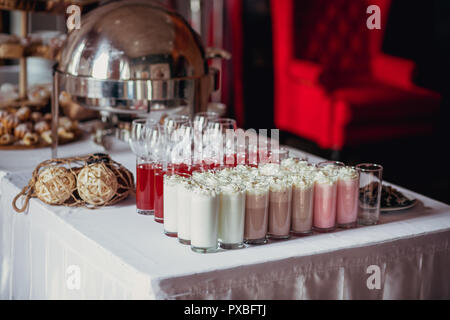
{"type": "Point", "coordinates": [200, 124]}
{"type": "Point", "coordinates": [370, 186]}
{"type": "Point", "coordinates": [278, 155]}
{"type": "Point", "coordinates": [220, 143]}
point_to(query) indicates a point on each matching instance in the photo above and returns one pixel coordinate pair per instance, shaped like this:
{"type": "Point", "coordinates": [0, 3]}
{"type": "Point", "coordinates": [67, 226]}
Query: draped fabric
{"type": "Point", "coordinates": [115, 253]}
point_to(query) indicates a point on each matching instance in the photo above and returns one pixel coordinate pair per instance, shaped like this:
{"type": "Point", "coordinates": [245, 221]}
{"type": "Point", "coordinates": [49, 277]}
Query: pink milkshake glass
{"type": "Point", "coordinates": [347, 198]}
{"type": "Point", "coordinates": [325, 196]}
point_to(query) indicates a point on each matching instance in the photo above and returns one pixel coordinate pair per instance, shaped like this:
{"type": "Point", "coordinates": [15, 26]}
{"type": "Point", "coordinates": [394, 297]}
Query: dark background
{"type": "Point", "coordinates": [417, 30]}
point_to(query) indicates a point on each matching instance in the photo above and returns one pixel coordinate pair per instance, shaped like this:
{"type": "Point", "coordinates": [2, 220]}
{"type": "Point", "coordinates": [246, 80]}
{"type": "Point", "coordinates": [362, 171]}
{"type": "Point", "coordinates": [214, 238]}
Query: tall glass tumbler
{"type": "Point", "coordinates": [347, 197]}
{"type": "Point", "coordinates": [200, 123]}
{"type": "Point", "coordinates": [278, 155]}
{"type": "Point", "coordinates": [145, 156]}
{"type": "Point", "coordinates": [256, 214]}
{"type": "Point", "coordinates": [220, 138]}
{"type": "Point", "coordinates": [325, 201]}
{"type": "Point", "coordinates": [370, 186]}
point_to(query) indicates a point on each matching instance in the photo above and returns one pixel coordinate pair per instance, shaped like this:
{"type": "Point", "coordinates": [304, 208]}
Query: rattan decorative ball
{"type": "Point", "coordinates": [55, 185]}
{"type": "Point", "coordinates": [97, 184]}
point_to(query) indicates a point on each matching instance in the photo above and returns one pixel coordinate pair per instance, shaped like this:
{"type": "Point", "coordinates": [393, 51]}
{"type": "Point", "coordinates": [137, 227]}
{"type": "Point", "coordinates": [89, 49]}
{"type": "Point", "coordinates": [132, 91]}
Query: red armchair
{"type": "Point", "coordinates": [333, 85]}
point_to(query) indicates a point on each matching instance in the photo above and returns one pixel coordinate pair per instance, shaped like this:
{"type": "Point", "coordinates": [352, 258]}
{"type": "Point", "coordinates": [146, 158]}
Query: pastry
{"type": "Point", "coordinates": [41, 127]}
{"type": "Point", "coordinates": [38, 94]}
{"type": "Point", "coordinates": [2, 129]}
{"type": "Point", "coordinates": [6, 139]}
{"type": "Point", "coordinates": [36, 116]}
{"type": "Point", "coordinates": [23, 114]}
{"type": "Point", "coordinates": [65, 99]}
{"type": "Point", "coordinates": [10, 122]}
{"type": "Point", "coordinates": [67, 124]}
{"type": "Point", "coordinates": [48, 117]}
{"type": "Point", "coordinates": [30, 139]}
{"type": "Point", "coordinates": [22, 129]}
{"type": "Point", "coordinates": [47, 136]}
{"type": "Point", "coordinates": [3, 114]}
{"type": "Point", "coordinates": [65, 134]}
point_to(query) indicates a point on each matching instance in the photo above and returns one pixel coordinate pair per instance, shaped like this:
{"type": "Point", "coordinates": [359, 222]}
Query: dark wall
{"type": "Point", "coordinates": [257, 64]}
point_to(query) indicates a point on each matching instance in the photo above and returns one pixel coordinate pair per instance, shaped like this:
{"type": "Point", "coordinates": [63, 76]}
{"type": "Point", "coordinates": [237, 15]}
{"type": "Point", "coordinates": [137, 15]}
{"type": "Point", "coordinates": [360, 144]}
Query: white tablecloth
{"type": "Point", "coordinates": [119, 254]}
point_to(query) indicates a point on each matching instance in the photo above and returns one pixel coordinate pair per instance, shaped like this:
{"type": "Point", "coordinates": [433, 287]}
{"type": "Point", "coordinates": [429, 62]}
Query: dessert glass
{"type": "Point", "coordinates": [347, 197]}
{"type": "Point", "coordinates": [256, 214]}
{"type": "Point", "coordinates": [302, 208]}
{"type": "Point", "coordinates": [325, 196]}
{"type": "Point", "coordinates": [280, 213]}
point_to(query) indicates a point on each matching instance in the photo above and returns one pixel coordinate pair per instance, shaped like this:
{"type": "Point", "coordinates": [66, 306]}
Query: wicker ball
{"type": "Point", "coordinates": [55, 185]}
{"type": "Point", "coordinates": [97, 184]}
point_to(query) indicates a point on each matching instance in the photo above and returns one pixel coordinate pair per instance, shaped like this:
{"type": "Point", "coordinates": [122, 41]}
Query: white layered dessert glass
{"type": "Point", "coordinates": [204, 219]}
{"type": "Point", "coordinates": [184, 197]}
{"type": "Point", "coordinates": [231, 216]}
{"type": "Point", "coordinates": [171, 182]}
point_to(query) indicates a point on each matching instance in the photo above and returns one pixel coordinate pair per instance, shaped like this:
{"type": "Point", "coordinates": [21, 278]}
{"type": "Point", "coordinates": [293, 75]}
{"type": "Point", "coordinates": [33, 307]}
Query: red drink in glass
{"type": "Point", "coordinates": [145, 197]}
{"type": "Point", "coordinates": [159, 194]}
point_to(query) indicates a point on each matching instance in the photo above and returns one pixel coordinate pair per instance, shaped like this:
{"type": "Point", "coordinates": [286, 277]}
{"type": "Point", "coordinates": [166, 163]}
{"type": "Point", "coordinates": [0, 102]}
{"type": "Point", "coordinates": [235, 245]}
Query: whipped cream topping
{"type": "Point", "coordinates": [206, 178]}
{"type": "Point", "coordinates": [323, 176]}
{"type": "Point", "coordinates": [270, 169]}
{"type": "Point", "coordinates": [257, 188]}
{"type": "Point", "coordinates": [173, 179]}
{"type": "Point", "coordinates": [280, 183]}
{"type": "Point", "coordinates": [231, 189]}
{"type": "Point", "coordinates": [204, 190]}
{"type": "Point", "coordinates": [348, 173]}
{"type": "Point", "coordinates": [303, 181]}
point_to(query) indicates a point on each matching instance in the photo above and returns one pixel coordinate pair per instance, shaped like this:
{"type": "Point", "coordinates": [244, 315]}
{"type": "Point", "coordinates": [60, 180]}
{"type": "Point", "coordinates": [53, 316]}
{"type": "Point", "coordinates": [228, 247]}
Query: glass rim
{"type": "Point", "coordinates": [373, 167]}
{"type": "Point", "coordinates": [332, 163]}
{"type": "Point", "coordinates": [207, 113]}
{"type": "Point", "coordinates": [224, 120]}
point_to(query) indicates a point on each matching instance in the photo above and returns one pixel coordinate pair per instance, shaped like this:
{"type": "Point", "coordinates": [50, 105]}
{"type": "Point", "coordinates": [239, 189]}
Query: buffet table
{"type": "Point", "coordinates": [114, 253]}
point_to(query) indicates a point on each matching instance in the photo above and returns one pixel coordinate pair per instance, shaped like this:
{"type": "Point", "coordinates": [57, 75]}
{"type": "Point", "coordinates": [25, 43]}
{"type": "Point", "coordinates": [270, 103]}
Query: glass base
{"type": "Point", "coordinates": [256, 241]}
{"type": "Point", "coordinates": [203, 250]}
{"type": "Point", "coordinates": [186, 242]}
{"type": "Point", "coordinates": [301, 233]}
{"type": "Point", "coordinates": [278, 237]}
{"type": "Point", "coordinates": [145, 212]}
{"type": "Point", "coordinates": [159, 220]}
{"type": "Point", "coordinates": [232, 246]}
{"type": "Point", "coordinates": [367, 222]}
{"type": "Point", "coordinates": [171, 234]}
{"type": "Point", "coordinates": [324, 230]}
{"type": "Point", "coordinates": [347, 225]}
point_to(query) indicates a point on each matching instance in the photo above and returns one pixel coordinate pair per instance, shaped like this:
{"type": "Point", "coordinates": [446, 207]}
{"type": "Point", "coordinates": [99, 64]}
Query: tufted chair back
{"type": "Point", "coordinates": [334, 34]}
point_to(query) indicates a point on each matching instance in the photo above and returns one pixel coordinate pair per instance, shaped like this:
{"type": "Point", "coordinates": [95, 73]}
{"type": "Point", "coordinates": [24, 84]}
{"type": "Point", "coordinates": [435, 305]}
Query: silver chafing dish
{"type": "Point", "coordinates": [135, 57]}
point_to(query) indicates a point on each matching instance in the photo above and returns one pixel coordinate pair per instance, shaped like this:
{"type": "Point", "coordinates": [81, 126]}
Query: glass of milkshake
{"type": "Point", "coordinates": [184, 196]}
{"type": "Point", "coordinates": [302, 204]}
{"type": "Point", "coordinates": [204, 219]}
{"type": "Point", "coordinates": [256, 213]}
{"type": "Point", "coordinates": [170, 204]}
{"type": "Point", "coordinates": [325, 195]}
{"type": "Point", "coordinates": [280, 213]}
{"type": "Point", "coordinates": [347, 197]}
{"type": "Point", "coordinates": [371, 179]}
{"type": "Point", "coordinates": [231, 216]}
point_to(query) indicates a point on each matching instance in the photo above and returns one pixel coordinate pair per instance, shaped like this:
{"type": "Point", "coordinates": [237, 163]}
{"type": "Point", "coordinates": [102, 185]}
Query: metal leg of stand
{"type": "Point", "coordinates": [55, 115]}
